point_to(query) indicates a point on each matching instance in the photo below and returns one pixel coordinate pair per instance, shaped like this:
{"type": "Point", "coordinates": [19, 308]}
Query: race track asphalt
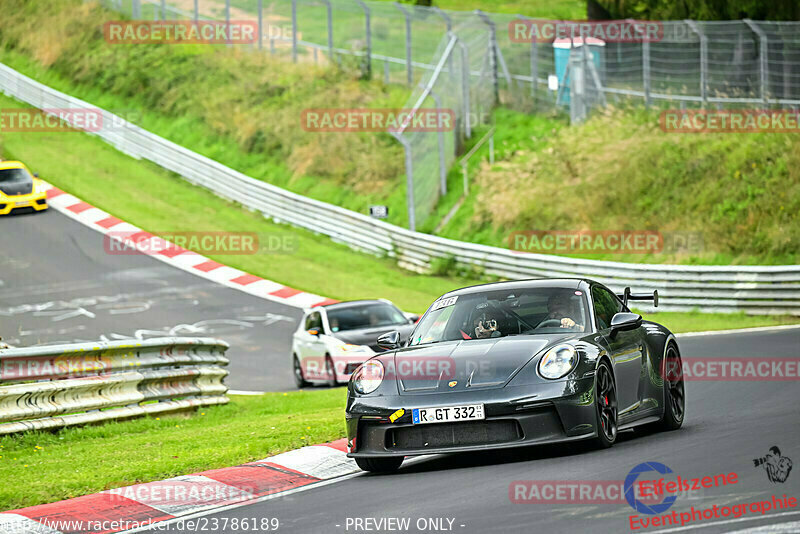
{"type": "Point", "coordinates": [59, 285]}
{"type": "Point", "coordinates": [728, 424]}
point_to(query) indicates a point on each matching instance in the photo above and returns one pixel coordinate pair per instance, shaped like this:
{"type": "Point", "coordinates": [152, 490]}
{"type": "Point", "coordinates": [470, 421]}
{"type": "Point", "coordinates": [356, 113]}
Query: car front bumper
{"type": "Point", "coordinates": [515, 416]}
{"type": "Point", "coordinates": [35, 201]}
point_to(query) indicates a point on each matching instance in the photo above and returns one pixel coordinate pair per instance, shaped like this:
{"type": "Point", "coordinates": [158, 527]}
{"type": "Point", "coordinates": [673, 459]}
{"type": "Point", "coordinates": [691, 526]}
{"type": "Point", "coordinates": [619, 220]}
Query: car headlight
{"type": "Point", "coordinates": [347, 347]}
{"type": "Point", "coordinates": [558, 361]}
{"type": "Point", "coordinates": [368, 377]}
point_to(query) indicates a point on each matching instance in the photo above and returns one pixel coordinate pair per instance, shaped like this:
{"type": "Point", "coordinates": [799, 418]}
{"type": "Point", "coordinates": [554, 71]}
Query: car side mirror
{"type": "Point", "coordinates": [36, 175]}
{"type": "Point", "coordinates": [389, 340]}
{"type": "Point", "coordinates": [625, 321]}
{"type": "Point", "coordinates": [413, 318]}
{"type": "Point", "coordinates": [315, 331]}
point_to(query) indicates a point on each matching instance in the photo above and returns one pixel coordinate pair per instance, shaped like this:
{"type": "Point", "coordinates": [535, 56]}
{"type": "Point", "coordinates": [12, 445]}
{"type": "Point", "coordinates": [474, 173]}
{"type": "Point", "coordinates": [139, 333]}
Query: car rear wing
{"type": "Point", "coordinates": [627, 295]}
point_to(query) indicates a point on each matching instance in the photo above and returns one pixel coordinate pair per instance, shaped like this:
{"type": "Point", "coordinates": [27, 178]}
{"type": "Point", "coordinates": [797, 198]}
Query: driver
{"type": "Point", "coordinates": [559, 308]}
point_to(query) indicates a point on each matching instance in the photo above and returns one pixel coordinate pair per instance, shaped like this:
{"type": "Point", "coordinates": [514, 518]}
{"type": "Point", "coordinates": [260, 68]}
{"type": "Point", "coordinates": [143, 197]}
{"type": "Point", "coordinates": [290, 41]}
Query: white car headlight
{"type": "Point", "coordinates": [558, 361]}
{"type": "Point", "coordinates": [347, 347]}
{"type": "Point", "coordinates": [368, 377]}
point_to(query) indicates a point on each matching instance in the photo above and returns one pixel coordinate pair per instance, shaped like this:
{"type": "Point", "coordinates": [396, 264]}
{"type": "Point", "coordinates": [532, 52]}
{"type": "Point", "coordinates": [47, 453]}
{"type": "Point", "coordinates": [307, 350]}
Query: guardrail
{"type": "Point", "coordinates": [54, 386]}
{"type": "Point", "coordinates": [753, 289]}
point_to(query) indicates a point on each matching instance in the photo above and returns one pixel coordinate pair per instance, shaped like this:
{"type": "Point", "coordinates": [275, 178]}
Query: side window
{"type": "Point", "coordinates": [606, 306]}
{"type": "Point", "coordinates": [314, 321]}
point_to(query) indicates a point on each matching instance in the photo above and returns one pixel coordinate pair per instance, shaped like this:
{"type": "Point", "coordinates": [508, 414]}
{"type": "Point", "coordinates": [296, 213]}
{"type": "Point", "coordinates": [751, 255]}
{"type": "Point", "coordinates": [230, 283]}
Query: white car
{"type": "Point", "coordinates": [333, 340]}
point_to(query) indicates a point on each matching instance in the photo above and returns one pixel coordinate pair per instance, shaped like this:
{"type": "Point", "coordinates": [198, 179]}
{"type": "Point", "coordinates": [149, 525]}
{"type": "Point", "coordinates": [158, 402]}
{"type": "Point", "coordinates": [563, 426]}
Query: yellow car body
{"type": "Point", "coordinates": [19, 189]}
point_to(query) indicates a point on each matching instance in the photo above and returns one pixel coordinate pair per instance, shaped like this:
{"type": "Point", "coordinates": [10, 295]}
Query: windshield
{"type": "Point", "coordinates": [371, 315]}
{"type": "Point", "coordinates": [14, 176]}
{"type": "Point", "coordinates": [493, 314]}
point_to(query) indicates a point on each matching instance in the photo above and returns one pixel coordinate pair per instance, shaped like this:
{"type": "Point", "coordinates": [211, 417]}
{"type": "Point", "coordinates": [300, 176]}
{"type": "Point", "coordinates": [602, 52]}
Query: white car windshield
{"type": "Point", "coordinates": [492, 314]}
{"type": "Point", "coordinates": [365, 316]}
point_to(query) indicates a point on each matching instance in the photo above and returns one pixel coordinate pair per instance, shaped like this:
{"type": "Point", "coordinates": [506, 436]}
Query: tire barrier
{"type": "Point", "coordinates": [55, 386]}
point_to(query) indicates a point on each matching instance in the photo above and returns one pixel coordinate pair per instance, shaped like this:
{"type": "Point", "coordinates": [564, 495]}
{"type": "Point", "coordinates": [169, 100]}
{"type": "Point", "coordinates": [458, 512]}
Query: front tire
{"type": "Point", "coordinates": [674, 393]}
{"type": "Point", "coordinates": [330, 370]}
{"type": "Point", "coordinates": [605, 391]}
{"type": "Point", "coordinates": [380, 465]}
{"type": "Point", "coordinates": [299, 379]}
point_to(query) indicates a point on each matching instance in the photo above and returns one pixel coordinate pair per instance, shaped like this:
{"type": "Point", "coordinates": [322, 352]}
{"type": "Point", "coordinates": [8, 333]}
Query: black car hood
{"type": "Point", "coordinates": [369, 336]}
{"type": "Point", "coordinates": [473, 364]}
{"type": "Point", "coordinates": [24, 187]}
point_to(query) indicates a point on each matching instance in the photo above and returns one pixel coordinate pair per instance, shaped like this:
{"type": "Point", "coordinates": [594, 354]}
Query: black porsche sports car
{"type": "Point", "coordinates": [511, 364]}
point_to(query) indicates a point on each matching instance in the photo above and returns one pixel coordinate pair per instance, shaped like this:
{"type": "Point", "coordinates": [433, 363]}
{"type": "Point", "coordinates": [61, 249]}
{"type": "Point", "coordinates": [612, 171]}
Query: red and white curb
{"type": "Point", "coordinates": [141, 505]}
{"type": "Point", "coordinates": [178, 257]}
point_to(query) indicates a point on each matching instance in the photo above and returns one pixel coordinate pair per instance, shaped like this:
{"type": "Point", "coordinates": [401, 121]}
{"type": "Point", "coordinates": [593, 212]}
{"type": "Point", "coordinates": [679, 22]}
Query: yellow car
{"type": "Point", "coordinates": [19, 189]}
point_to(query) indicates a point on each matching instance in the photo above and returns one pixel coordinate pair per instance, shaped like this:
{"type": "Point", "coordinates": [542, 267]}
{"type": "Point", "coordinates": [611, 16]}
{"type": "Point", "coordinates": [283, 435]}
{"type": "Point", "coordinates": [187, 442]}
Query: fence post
{"type": "Point", "coordinates": [492, 53]}
{"type": "Point", "coordinates": [409, 66]}
{"type": "Point", "coordinates": [260, 24]}
{"type": "Point", "coordinates": [294, 31]}
{"type": "Point", "coordinates": [163, 9]}
{"type": "Point", "coordinates": [440, 138]}
{"type": "Point", "coordinates": [646, 71]}
{"type": "Point", "coordinates": [465, 86]}
{"type": "Point", "coordinates": [645, 61]}
{"type": "Point", "coordinates": [368, 57]}
{"type": "Point", "coordinates": [228, 22]}
{"type": "Point", "coordinates": [763, 57]}
{"type": "Point", "coordinates": [412, 224]}
{"type": "Point", "coordinates": [703, 60]}
{"type": "Point", "coordinates": [577, 111]}
{"type": "Point", "coordinates": [330, 28]}
{"type": "Point", "coordinates": [136, 9]}
{"type": "Point", "coordinates": [449, 23]}
{"type": "Point", "coordinates": [534, 62]}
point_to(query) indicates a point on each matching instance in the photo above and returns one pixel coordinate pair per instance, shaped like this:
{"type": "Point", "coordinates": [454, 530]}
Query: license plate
{"type": "Point", "coordinates": [448, 414]}
{"type": "Point", "coordinates": [23, 203]}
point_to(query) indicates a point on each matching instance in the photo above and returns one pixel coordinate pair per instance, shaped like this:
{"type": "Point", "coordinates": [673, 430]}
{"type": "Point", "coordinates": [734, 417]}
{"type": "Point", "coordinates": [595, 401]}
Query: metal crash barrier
{"type": "Point", "coordinates": [55, 386]}
{"type": "Point", "coordinates": [760, 290]}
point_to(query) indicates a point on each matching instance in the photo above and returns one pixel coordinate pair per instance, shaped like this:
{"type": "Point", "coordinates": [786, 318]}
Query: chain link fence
{"type": "Point", "coordinates": [468, 62]}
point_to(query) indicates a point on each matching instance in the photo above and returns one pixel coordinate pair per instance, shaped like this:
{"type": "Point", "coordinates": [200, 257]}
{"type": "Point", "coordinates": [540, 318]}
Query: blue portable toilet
{"type": "Point", "coordinates": [562, 48]}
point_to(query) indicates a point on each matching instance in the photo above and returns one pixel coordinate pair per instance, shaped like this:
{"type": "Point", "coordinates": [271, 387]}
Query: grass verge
{"type": "Point", "coordinates": [42, 467]}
